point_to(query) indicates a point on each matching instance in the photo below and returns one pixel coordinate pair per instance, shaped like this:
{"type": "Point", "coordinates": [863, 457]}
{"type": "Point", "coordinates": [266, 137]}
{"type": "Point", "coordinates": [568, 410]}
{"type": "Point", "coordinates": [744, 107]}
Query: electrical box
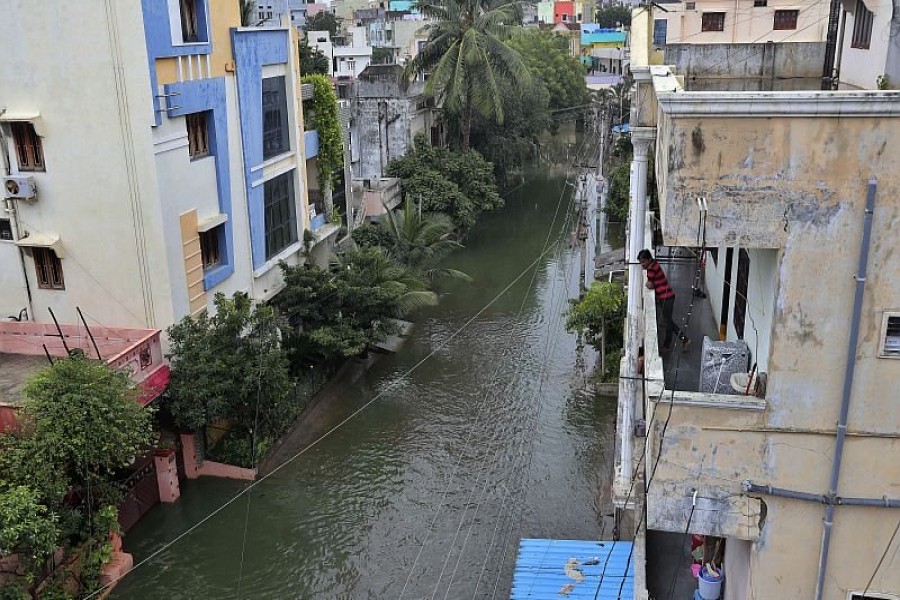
{"type": "Point", "coordinates": [718, 361]}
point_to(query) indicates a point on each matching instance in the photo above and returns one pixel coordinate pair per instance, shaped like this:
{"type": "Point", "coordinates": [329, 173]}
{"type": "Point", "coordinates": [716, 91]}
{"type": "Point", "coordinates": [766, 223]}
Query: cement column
{"type": "Point", "coordinates": [641, 139]}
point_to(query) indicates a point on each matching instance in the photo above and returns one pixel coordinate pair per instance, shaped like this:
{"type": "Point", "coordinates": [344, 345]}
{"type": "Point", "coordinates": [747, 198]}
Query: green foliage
{"type": "Point", "coordinates": [369, 235]}
{"type": "Point", "coordinates": [549, 61]}
{"type": "Point", "coordinates": [382, 56]}
{"type": "Point", "coordinates": [27, 527]}
{"type": "Point", "coordinates": [87, 418]}
{"type": "Point", "coordinates": [312, 60]}
{"type": "Point", "coordinates": [323, 21]}
{"type": "Point", "coordinates": [330, 160]}
{"type": "Point", "coordinates": [619, 179]}
{"type": "Point", "coordinates": [601, 309]}
{"type": "Point", "coordinates": [457, 184]}
{"type": "Point", "coordinates": [335, 314]}
{"type": "Point", "coordinates": [466, 60]}
{"type": "Point", "coordinates": [557, 82]}
{"type": "Point", "coordinates": [13, 591]}
{"type": "Point", "coordinates": [614, 15]}
{"type": "Point", "coordinates": [230, 367]}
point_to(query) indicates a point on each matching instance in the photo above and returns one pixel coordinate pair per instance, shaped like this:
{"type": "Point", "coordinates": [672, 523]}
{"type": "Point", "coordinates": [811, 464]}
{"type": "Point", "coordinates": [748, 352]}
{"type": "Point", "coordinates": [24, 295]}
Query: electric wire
{"type": "Point", "coordinates": [471, 430]}
{"type": "Point", "coordinates": [881, 560]}
{"type": "Point", "coordinates": [328, 433]}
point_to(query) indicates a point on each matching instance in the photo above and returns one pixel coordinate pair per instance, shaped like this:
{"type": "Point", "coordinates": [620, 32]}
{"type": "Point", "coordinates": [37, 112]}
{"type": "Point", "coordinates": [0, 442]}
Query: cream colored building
{"type": "Point", "coordinates": [792, 200]}
{"type": "Point", "coordinates": [870, 51]}
{"type": "Point", "coordinates": [739, 22]}
{"type": "Point", "coordinates": [167, 153]}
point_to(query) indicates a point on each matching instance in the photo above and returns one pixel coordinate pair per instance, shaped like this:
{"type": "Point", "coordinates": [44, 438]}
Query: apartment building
{"type": "Point", "coordinates": [869, 45]}
{"type": "Point", "coordinates": [155, 161]}
{"type": "Point", "coordinates": [739, 21]}
{"type": "Point", "coordinates": [775, 435]}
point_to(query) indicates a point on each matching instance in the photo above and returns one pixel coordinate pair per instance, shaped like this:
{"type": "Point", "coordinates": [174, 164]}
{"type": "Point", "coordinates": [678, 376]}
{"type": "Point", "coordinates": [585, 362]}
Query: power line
{"type": "Point", "coordinates": [881, 560]}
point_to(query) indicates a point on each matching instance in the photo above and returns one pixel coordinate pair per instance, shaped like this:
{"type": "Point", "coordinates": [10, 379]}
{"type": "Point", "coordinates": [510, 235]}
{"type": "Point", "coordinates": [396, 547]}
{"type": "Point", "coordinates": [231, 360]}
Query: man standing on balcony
{"type": "Point", "coordinates": [665, 298]}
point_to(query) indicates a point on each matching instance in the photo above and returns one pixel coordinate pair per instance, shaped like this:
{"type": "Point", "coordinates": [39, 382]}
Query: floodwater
{"type": "Point", "coordinates": [481, 432]}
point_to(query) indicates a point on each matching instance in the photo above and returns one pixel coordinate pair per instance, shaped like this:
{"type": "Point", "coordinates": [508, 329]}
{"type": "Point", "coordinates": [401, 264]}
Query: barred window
{"type": "Point", "coordinates": [862, 26]}
{"type": "Point", "coordinates": [49, 269]}
{"type": "Point", "coordinates": [276, 137]}
{"type": "Point", "coordinates": [281, 214]}
{"type": "Point", "coordinates": [198, 135]}
{"type": "Point", "coordinates": [29, 151]}
{"type": "Point", "coordinates": [785, 19]}
{"type": "Point", "coordinates": [713, 21]}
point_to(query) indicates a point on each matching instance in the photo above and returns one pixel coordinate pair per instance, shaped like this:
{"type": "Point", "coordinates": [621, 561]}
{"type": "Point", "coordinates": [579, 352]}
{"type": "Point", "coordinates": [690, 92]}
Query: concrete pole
{"type": "Point", "coordinates": [641, 139]}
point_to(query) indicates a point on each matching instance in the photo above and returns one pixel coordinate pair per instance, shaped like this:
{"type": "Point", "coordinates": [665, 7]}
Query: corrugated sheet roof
{"type": "Point", "coordinates": [545, 570]}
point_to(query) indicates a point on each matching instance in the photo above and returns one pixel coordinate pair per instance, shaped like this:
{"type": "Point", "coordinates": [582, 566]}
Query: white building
{"type": "Point", "coordinates": [344, 60]}
{"type": "Point", "coordinates": [870, 52]}
{"type": "Point", "coordinates": [168, 166]}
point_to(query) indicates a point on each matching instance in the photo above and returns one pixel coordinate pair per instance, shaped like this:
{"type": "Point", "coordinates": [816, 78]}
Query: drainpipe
{"type": "Point", "coordinates": [848, 386]}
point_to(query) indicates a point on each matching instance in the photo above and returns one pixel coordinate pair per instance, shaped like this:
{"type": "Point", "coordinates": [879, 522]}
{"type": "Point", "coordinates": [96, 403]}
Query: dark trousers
{"type": "Point", "coordinates": [667, 306]}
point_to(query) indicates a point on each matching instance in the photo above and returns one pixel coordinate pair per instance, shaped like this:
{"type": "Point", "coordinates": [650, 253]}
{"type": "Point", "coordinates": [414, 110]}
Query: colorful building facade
{"type": "Point", "coordinates": [178, 173]}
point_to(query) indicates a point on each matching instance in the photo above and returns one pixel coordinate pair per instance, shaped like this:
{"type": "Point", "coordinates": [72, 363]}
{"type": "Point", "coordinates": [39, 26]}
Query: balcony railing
{"type": "Point", "coordinates": [135, 351]}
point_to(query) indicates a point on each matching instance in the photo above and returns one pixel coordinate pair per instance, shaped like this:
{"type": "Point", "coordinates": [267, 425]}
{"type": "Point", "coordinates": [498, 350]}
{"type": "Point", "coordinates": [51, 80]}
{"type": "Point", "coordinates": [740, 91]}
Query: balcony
{"type": "Point", "coordinates": [311, 144]}
{"type": "Point", "coordinates": [23, 349]}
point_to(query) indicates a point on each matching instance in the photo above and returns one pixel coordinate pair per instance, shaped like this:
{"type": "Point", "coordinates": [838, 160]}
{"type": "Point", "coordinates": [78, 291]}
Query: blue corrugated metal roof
{"type": "Point", "coordinates": [541, 570]}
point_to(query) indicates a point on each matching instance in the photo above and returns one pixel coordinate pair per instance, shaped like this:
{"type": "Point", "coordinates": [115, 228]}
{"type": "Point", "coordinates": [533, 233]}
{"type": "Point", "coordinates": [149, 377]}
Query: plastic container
{"type": "Point", "coordinates": [709, 587]}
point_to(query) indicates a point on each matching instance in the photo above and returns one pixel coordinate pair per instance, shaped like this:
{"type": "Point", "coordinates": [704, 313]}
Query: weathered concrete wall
{"type": "Point", "coordinates": [386, 127]}
{"type": "Point", "coordinates": [797, 186]}
{"type": "Point", "coordinates": [762, 62]}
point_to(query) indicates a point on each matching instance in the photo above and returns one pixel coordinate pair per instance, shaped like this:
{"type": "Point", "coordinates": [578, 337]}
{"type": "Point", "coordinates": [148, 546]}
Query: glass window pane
{"type": "Point", "coordinates": [276, 137]}
{"type": "Point", "coordinates": [280, 214]}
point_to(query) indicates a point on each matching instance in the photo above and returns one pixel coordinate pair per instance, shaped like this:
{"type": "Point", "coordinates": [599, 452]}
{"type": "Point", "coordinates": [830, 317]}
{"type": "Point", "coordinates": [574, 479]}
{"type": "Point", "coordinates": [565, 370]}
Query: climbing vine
{"type": "Point", "coordinates": [325, 119]}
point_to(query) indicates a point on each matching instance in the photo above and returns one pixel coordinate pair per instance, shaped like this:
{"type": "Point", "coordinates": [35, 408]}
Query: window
{"type": "Point", "coordinates": [740, 293]}
{"type": "Point", "coordinates": [890, 336]}
{"type": "Point", "coordinates": [713, 21]}
{"type": "Point", "coordinates": [872, 596]}
{"type": "Point", "coordinates": [760, 3]}
{"type": "Point", "coordinates": [209, 247]}
{"type": "Point", "coordinates": [786, 19]}
{"type": "Point", "coordinates": [198, 135]}
{"type": "Point", "coordinates": [351, 66]}
{"type": "Point", "coordinates": [690, 6]}
{"type": "Point", "coordinates": [660, 27]}
{"type": "Point", "coordinates": [5, 230]}
{"type": "Point", "coordinates": [862, 26]}
{"type": "Point", "coordinates": [276, 138]}
{"type": "Point", "coordinates": [189, 21]}
{"type": "Point", "coordinates": [281, 216]}
{"type": "Point", "coordinates": [28, 147]}
{"type": "Point", "coordinates": [49, 269]}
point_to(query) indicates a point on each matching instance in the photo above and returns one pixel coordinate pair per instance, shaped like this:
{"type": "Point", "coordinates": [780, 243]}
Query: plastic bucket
{"type": "Point", "coordinates": [710, 588]}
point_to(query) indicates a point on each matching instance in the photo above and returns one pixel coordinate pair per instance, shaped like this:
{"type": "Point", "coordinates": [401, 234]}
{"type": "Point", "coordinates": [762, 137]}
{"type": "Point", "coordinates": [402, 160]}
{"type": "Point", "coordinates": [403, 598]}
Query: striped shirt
{"type": "Point", "coordinates": [661, 286]}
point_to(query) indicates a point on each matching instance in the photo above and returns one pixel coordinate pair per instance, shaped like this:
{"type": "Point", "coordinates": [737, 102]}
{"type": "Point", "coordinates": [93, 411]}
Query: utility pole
{"type": "Point", "coordinates": [829, 68]}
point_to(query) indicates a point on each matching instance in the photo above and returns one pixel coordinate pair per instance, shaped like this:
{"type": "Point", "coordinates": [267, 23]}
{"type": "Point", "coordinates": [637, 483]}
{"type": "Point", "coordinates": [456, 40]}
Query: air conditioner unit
{"type": "Point", "coordinates": [22, 188]}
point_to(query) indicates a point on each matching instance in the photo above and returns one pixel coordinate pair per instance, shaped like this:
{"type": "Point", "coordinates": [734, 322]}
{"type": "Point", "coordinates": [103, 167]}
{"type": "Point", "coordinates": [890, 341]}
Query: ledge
{"type": "Point", "coordinates": [706, 400]}
{"type": "Point", "coordinates": [844, 104]}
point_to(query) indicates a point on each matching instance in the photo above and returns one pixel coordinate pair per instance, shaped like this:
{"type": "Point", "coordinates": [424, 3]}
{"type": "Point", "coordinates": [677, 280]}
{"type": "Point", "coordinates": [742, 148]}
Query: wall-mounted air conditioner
{"type": "Point", "coordinates": [20, 187]}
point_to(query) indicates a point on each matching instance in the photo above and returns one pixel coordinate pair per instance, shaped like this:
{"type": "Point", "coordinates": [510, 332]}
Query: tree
{"type": "Point", "coordinates": [323, 21]}
{"type": "Point", "coordinates": [27, 527]}
{"type": "Point", "coordinates": [337, 313]}
{"type": "Point", "coordinates": [230, 366]}
{"type": "Point", "coordinates": [599, 316]}
{"type": "Point", "coordinates": [457, 184]}
{"type": "Point", "coordinates": [614, 15]}
{"type": "Point", "coordinates": [548, 60]}
{"type": "Point", "coordinates": [312, 60]}
{"type": "Point", "coordinates": [466, 59]}
{"type": "Point", "coordinates": [382, 56]}
{"type": "Point", "coordinates": [87, 417]}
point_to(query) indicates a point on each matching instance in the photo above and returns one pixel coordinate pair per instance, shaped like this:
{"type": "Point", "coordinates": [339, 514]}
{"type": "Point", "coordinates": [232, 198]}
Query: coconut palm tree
{"type": "Point", "coordinates": [382, 280]}
{"type": "Point", "coordinates": [419, 240]}
{"type": "Point", "coordinates": [466, 59]}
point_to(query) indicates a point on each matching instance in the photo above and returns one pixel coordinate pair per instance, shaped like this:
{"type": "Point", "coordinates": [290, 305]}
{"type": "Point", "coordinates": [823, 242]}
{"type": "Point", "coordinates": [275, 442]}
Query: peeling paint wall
{"type": "Point", "coordinates": [792, 191]}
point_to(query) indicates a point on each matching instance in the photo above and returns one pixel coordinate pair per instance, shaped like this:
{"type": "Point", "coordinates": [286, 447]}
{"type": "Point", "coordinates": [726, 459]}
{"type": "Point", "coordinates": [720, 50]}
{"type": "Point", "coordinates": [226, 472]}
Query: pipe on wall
{"type": "Point", "coordinates": [768, 490]}
{"type": "Point", "coordinates": [848, 385]}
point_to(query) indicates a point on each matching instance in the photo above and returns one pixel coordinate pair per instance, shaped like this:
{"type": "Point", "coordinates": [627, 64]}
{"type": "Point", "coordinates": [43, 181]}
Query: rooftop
{"type": "Point", "coordinates": [15, 371]}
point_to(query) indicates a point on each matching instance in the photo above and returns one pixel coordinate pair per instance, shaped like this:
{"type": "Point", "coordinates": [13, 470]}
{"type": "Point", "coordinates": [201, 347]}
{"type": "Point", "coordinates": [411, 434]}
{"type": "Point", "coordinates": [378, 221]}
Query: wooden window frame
{"type": "Point", "coordinates": [197, 125]}
{"type": "Point", "coordinates": [862, 26]}
{"type": "Point", "coordinates": [211, 248]}
{"type": "Point", "coordinates": [712, 21]}
{"type": "Point", "coordinates": [29, 149]}
{"type": "Point", "coordinates": [785, 20]}
{"type": "Point", "coordinates": [48, 269]}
